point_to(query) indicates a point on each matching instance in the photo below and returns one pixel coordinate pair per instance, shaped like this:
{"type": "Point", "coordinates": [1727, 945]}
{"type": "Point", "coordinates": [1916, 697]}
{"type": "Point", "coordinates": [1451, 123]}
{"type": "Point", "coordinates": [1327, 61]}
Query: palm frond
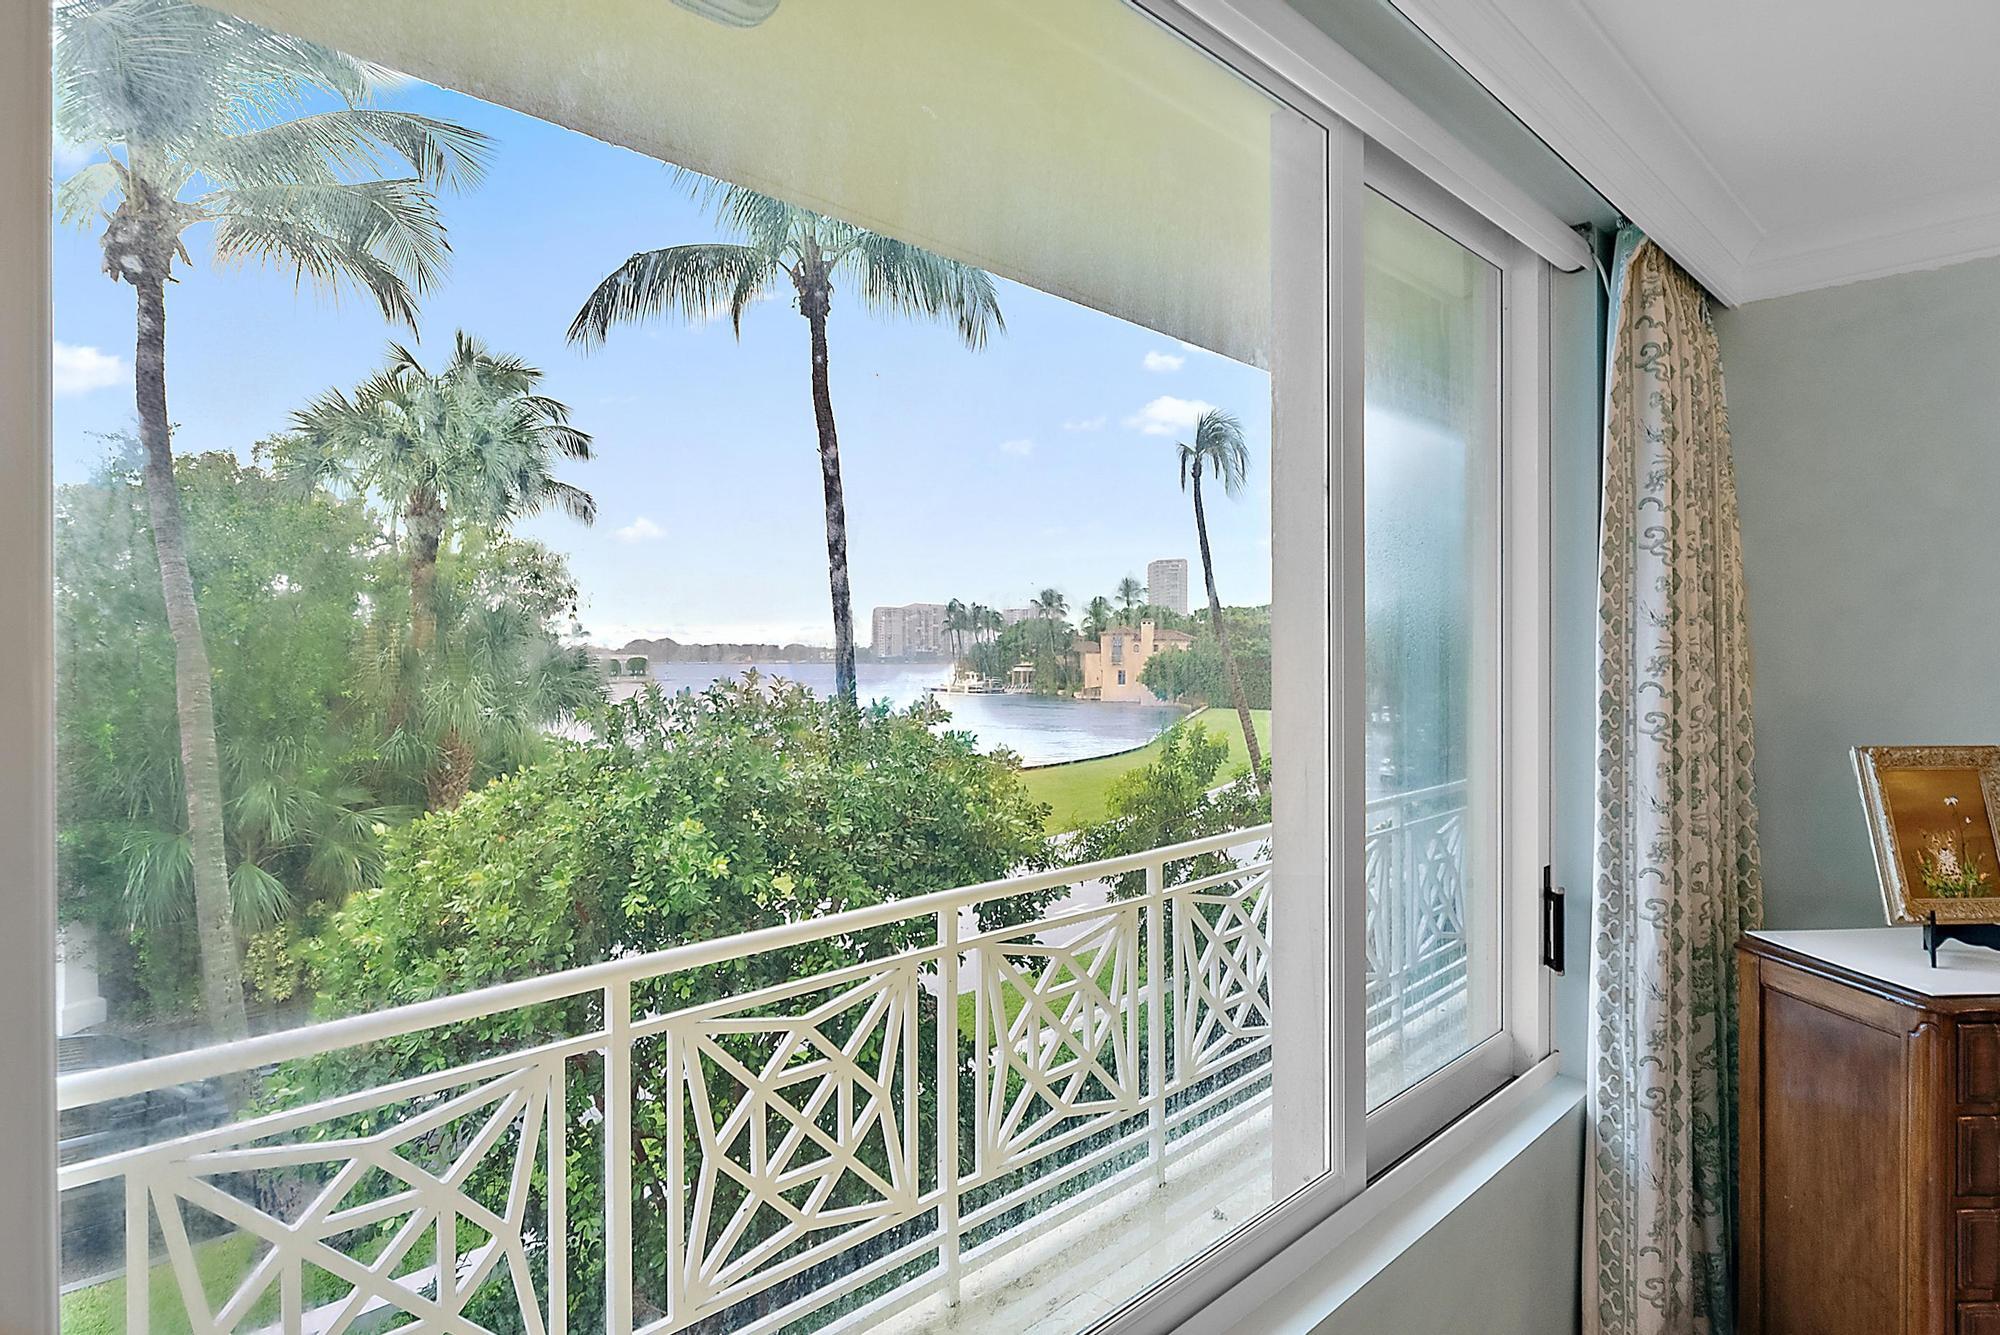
{"type": "Point", "coordinates": [337, 145]}
{"type": "Point", "coordinates": [766, 223]}
{"type": "Point", "coordinates": [573, 501]}
{"type": "Point", "coordinates": [382, 237]}
{"type": "Point", "coordinates": [1218, 442]}
{"type": "Point", "coordinates": [909, 280]}
{"type": "Point", "coordinates": [692, 281]}
{"type": "Point", "coordinates": [85, 195]}
{"type": "Point", "coordinates": [159, 875]}
{"type": "Point", "coordinates": [258, 898]}
{"type": "Point", "coordinates": [171, 78]}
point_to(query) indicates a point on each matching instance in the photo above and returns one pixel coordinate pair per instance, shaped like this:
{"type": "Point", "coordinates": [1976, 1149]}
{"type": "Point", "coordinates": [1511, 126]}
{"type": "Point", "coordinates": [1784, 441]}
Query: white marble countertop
{"type": "Point", "coordinates": [1895, 955]}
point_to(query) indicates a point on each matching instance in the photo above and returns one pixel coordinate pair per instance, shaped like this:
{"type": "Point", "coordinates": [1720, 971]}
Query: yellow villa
{"type": "Point", "coordinates": [1112, 666]}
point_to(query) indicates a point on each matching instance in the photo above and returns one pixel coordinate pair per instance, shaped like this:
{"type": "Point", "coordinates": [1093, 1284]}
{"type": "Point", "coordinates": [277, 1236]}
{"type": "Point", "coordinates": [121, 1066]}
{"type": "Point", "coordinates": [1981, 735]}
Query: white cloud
{"type": "Point", "coordinates": [66, 158]}
{"type": "Point", "coordinates": [1160, 363]}
{"type": "Point", "coordinates": [1085, 423]}
{"type": "Point", "coordinates": [1167, 414]}
{"type": "Point", "coordinates": [1020, 448]}
{"type": "Point", "coordinates": [81, 369]}
{"type": "Point", "coordinates": [641, 529]}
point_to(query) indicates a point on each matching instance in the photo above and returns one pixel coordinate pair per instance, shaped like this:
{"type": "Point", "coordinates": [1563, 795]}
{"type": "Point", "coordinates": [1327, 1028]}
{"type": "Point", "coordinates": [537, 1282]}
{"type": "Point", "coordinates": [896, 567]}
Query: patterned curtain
{"type": "Point", "coordinates": [1676, 874]}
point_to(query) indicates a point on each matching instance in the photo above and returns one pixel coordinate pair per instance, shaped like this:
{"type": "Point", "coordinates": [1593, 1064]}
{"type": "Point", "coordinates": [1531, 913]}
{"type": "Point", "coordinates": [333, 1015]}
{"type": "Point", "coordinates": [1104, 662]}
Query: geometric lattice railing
{"type": "Point", "coordinates": [1415, 887]}
{"type": "Point", "coordinates": [842, 1143]}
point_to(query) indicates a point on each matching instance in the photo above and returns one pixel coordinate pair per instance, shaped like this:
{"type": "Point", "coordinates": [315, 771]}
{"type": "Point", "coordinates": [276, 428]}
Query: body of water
{"type": "Point", "coordinates": [1041, 729]}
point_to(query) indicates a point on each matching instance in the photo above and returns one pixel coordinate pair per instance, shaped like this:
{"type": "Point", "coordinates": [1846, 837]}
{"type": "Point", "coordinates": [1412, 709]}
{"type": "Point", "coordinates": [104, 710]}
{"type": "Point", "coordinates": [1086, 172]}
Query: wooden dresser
{"type": "Point", "coordinates": [1870, 1135]}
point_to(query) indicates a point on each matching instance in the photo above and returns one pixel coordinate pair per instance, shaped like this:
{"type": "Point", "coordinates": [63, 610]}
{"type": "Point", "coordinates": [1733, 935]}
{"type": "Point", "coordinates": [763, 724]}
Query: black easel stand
{"type": "Point", "coordinates": [1972, 933]}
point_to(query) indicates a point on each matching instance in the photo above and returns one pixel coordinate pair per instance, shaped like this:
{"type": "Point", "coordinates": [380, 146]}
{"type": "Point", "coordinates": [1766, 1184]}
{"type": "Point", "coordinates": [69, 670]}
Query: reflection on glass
{"type": "Point", "coordinates": [1432, 502]}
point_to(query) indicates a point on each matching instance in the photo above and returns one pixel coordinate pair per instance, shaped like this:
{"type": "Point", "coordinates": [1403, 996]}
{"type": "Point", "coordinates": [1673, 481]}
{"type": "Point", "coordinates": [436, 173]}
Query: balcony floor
{"type": "Point", "coordinates": [1081, 1270]}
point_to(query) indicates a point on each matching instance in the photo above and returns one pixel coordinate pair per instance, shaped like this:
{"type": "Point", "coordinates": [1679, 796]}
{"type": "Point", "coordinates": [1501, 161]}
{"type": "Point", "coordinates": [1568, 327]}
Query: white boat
{"type": "Point", "coordinates": [970, 683]}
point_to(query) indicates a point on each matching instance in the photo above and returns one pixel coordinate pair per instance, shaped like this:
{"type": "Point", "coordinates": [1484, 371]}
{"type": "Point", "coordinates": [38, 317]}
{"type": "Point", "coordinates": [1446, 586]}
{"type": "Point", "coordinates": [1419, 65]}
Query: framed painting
{"type": "Point", "coordinates": [1931, 817]}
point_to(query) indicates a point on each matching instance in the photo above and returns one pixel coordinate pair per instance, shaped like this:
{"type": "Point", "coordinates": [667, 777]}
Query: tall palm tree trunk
{"type": "Point", "coordinates": [450, 777]}
{"type": "Point", "coordinates": [1222, 640]}
{"type": "Point", "coordinates": [194, 699]}
{"type": "Point", "coordinates": [815, 297]}
{"type": "Point", "coordinates": [423, 520]}
{"type": "Point", "coordinates": [423, 516]}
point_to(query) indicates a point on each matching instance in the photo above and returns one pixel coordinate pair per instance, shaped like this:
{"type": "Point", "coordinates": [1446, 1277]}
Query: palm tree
{"type": "Point", "coordinates": [199, 118]}
{"type": "Point", "coordinates": [784, 241]}
{"type": "Point", "coordinates": [1131, 598]}
{"type": "Point", "coordinates": [1053, 609]}
{"type": "Point", "coordinates": [1096, 617]}
{"type": "Point", "coordinates": [957, 621]}
{"type": "Point", "coordinates": [494, 686]}
{"type": "Point", "coordinates": [472, 445]}
{"type": "Point", "coordinates": [1218, 451]}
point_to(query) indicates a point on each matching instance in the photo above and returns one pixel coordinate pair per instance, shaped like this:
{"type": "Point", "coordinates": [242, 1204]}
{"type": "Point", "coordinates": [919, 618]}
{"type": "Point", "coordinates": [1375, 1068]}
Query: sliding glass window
{"type": "Point", "coordinates": [703, 662]}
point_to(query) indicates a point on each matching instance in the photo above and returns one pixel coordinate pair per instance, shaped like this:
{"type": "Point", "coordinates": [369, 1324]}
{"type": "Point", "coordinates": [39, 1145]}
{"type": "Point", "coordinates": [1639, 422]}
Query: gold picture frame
{"type": "Point", "coordinates": [1931, 817]}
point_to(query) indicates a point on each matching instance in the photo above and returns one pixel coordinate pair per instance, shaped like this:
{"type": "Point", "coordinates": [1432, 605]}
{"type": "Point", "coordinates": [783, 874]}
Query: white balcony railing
{"type": "Point", "coordinates": [790, 1152]}
{"type": "Point", "coordinates": [1415, 883]}
{"type": "Point", "coordinates": [821, 1163]}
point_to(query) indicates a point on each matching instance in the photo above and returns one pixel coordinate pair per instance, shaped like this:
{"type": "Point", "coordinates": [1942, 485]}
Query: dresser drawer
{"type": "Point", "coordinates": [1979, 1063]}
{"type": "Point", "coordinates": [1979, 1319]}
{"type": "Point", "coordinates": [1978, 1156]}
{"type": "Point", "coordinates": [1978, 1269]}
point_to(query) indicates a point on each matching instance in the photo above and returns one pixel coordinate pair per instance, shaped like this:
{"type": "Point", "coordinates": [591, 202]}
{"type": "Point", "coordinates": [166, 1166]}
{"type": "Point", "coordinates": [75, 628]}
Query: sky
{"type": "Point", "coordinates": [1046, 459]}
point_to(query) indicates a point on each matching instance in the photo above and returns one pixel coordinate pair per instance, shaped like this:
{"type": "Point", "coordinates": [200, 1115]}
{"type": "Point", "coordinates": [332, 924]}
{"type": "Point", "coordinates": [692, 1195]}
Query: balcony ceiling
{"type": "Point", "coordinates": [1772, 148]}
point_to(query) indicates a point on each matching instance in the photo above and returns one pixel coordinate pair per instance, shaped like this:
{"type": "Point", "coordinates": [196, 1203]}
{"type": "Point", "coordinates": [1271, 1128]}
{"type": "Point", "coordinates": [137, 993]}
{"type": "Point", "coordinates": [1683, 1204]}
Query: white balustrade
{"type": "Point", "coordinates": [800, 1152]}
{"type": "Point", "coordinates": [1415, 884]}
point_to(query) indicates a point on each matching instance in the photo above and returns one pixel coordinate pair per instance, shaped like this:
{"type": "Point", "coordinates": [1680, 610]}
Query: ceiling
{"type": "Point", "coordinates": [1380, 37]}
{"type": "Point", "coordinates": [1771, 147]}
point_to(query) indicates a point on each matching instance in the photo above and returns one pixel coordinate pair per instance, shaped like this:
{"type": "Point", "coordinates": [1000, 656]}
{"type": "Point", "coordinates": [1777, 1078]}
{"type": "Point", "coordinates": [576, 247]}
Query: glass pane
{"type": "Point", "coordinates": [1433, 679]}
{"type": "Point", "coordinates": [619, 537]}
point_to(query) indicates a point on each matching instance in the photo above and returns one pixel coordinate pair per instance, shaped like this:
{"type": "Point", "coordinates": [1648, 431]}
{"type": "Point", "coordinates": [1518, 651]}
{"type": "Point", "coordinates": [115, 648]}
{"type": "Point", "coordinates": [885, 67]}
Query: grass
{"type": "Point", "coordinates": [222, 1263]}
{"type": "Point", "coordinates": [1012, 1002]}
{"type": "Point", "coordinates": [1076, 792]}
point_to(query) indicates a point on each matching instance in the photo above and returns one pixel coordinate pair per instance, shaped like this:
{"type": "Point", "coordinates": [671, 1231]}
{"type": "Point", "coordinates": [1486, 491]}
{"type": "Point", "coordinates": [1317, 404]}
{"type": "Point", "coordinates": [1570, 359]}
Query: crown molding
{"type": "Point", "coordinates": [1929, 234]}
{"type": "Point", "coordinates": [1553, 66]}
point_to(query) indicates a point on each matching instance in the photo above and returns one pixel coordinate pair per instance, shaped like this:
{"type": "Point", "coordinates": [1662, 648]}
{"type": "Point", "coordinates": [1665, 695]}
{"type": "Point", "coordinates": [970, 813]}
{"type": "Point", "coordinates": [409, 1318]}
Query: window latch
{"type": "Point", "coordinates": [1552, 924]}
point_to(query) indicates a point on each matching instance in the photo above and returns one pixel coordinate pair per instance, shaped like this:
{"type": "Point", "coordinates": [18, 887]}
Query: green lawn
{"type": "Point", "coordinates": [1013, 1002]}
{"type": "Point", "coordinates": [222, 1263]}
{"type": "Point", "coordinates": [100, 1309]}
{"type": "Point", "coordinates": [1076, 792]}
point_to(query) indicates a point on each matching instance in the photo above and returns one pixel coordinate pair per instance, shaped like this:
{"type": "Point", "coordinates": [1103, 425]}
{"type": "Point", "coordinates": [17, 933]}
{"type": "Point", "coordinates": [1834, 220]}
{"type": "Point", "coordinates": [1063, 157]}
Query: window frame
{"type": "Point", "coordinates": [28, 1238]}
{"type": "Point", "coordinates": [1374, 139]}
{"type": "Point", "coordinates": [1524, 1035]}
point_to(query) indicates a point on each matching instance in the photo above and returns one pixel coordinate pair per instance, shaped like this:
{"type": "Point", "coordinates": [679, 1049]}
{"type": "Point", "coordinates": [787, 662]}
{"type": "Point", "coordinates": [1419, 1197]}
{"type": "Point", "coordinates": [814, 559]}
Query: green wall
{"type": "Point", "coordinates": [1502, 1263]}
{"type": "Point", "coordinates": [1866, 422]}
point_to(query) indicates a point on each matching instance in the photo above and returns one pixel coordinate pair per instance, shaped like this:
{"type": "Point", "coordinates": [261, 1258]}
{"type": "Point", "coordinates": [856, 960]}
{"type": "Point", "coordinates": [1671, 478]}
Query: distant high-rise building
{"type": "Point", "coordinates": [1167, 584]}
{"type": "Point", "coordinates": [1012, 615]}
{"type": "Point", "coordinates": [909, 631]}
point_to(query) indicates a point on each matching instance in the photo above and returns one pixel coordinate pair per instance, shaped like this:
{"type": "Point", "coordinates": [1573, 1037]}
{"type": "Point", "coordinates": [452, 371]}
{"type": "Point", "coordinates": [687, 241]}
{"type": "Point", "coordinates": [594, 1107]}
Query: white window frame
{"type": "Point", "coordinates": [1374, 139]}
{"type": "Point", "coordinates": [1524, 1036]}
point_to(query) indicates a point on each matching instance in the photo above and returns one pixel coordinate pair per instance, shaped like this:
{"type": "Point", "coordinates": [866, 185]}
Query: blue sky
{"type": "Point", "coordinates": [1045, 459]}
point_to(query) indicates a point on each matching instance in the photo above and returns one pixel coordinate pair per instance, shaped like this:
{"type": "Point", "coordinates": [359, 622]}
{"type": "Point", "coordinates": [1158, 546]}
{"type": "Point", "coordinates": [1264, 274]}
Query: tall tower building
{"type": "Point", "coordinates": [1167, 584]}
{"type": "Point", "coordinates": [914, 630]}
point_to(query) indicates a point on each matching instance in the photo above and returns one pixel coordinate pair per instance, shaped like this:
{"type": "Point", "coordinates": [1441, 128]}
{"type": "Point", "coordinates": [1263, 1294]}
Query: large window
{"type": "Point", "coordinates": [724, 696]}
{"type": "Point", "coordinates": [1433, 649]}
